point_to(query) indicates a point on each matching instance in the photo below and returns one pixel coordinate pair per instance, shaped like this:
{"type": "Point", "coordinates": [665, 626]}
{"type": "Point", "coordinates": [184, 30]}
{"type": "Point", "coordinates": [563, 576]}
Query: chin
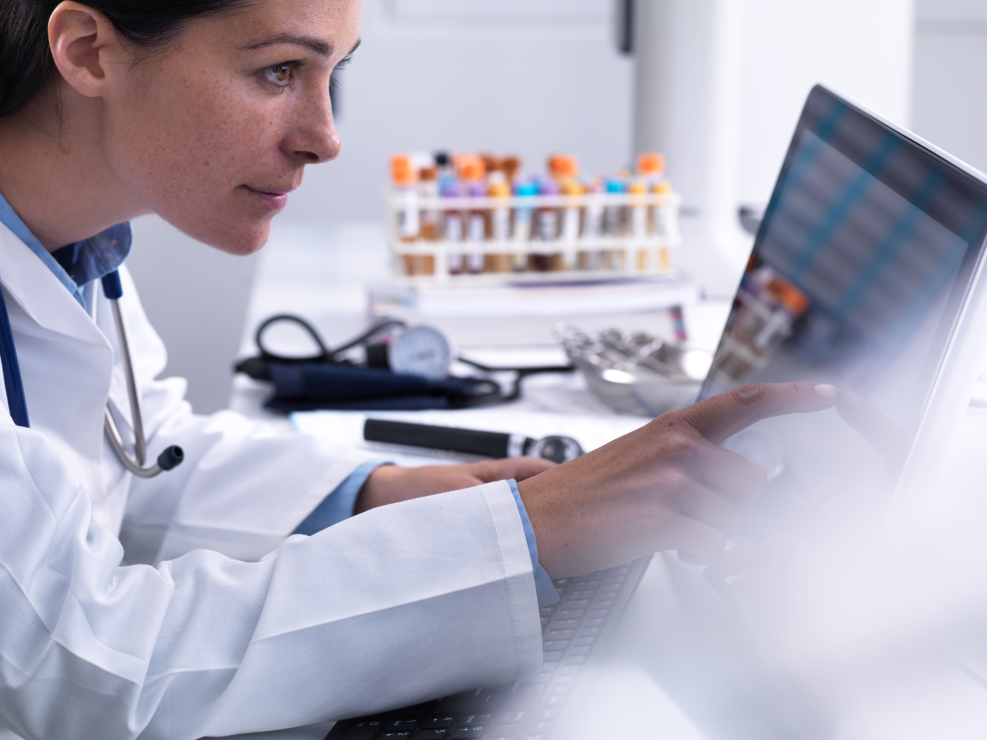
{"type": "Point", "coordinates": [242, 242]}
{"type": "Point", "coordinates": [241, 237]}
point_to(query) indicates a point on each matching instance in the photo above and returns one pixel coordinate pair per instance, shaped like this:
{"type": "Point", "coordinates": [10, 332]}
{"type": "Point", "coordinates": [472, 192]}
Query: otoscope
{"type": "Point", "coordinates": [488, 444]}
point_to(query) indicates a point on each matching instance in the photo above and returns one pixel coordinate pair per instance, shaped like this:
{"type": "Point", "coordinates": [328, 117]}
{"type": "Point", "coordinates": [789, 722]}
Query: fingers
{"type": "Point", "coordinates": [712, 509]}
{"type": "Point", "coordinates": [724, 471]}
{"type": "Point", "coordinates": [518, 468]}
{"type": "Point", "coordinates": [697, 543]}
{"type": "Point", "coordinates": [724, 415]}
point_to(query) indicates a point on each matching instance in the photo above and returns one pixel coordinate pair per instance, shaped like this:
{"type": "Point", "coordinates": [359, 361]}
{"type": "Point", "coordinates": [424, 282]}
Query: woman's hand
{"type": "Point", "coordinates": [389, 484]}
{"type": "Point", "coordinates": [666, 486]}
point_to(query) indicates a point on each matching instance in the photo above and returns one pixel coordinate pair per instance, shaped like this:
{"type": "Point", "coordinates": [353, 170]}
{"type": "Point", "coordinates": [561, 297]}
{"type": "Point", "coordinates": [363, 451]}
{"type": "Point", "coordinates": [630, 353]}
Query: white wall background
{"type": "Point", "coordinates": [534, 76]}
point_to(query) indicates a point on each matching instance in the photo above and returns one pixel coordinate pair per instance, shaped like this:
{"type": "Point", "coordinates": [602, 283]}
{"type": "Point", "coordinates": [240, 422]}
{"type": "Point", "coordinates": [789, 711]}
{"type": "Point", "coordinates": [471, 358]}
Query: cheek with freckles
{"type": "Point", "coordinates": [189, 143]}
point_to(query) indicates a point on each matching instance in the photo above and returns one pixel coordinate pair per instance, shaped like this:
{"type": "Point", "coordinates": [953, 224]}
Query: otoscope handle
{"type": "Point", "coordinates": [471, 441]}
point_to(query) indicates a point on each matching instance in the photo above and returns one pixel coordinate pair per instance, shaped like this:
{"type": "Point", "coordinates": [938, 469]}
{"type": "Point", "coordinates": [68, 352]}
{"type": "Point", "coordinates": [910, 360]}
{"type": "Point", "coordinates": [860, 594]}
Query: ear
{"type": "Point", "coordinates": [85, 47]}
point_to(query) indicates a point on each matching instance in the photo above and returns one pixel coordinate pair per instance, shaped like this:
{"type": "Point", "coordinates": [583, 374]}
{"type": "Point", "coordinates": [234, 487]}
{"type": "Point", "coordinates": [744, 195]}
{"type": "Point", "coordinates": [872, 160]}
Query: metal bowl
{"type": "Point", "coordinates": [636, 373]}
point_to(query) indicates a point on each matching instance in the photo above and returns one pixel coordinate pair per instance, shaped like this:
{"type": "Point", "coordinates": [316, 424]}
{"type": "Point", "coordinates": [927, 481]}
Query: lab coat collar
{"type": "Point", "coordinates": [37, 290]}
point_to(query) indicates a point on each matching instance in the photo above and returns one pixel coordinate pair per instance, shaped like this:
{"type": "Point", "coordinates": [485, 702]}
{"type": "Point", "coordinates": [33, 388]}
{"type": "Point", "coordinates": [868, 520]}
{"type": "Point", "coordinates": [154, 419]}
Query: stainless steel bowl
{"type": "Point", "coordinates": [636, 373]}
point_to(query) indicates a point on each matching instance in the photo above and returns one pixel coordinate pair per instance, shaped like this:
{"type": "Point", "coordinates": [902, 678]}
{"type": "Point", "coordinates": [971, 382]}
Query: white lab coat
{"type": "Point", "coordinates": [231, 627]}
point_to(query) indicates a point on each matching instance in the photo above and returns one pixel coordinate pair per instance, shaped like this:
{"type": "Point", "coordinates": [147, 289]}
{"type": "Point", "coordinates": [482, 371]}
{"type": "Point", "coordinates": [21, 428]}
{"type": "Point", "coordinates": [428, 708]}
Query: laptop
{"type": "Point", "coordinates": [864, 274]}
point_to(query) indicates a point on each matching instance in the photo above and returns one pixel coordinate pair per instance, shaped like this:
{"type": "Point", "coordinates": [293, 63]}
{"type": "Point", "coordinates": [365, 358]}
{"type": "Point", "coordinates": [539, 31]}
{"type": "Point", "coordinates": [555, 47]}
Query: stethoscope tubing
{"type": "Point", "coordinates": [14, 387]}
{"type": "Point", "coordinates": [17, 401]}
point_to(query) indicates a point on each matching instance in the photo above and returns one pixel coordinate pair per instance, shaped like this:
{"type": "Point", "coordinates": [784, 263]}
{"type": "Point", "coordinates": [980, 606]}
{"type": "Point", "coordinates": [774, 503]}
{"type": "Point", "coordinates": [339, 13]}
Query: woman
{"type": "Point", "coordinates": [206, 113]}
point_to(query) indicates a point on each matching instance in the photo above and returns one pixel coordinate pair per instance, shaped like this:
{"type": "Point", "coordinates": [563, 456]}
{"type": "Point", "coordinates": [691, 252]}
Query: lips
{"type": "Point", "coordinates": [275, 198]}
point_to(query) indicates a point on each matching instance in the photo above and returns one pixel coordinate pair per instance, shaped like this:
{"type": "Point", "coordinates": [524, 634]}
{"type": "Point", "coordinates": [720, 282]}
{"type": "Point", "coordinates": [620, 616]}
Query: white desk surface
{"type": "Point", "coordinates": [322, 274]}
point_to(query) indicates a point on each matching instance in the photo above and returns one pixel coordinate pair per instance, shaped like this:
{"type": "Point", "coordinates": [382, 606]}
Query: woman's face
{"type": "Point", "coordinates": [215, 132]}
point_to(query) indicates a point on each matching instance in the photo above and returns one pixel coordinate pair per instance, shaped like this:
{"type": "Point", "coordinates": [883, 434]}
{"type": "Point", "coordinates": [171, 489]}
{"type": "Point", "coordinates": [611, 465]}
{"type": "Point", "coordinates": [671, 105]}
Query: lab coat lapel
{"type": "Point", "coordinates": [66, 361]}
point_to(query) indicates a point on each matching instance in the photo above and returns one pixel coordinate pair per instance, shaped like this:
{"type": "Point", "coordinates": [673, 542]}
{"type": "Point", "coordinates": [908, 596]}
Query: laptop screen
{"type": "Point", "coordinates": [858, 272]}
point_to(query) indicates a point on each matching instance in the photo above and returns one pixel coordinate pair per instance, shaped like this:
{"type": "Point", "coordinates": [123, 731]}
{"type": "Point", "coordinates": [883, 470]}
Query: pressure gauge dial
{"type": "Point", "coordinates": [420, 350]}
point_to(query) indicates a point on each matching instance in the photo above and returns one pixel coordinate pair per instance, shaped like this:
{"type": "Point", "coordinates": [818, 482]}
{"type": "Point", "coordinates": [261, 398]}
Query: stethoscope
{"type": "Point", "coordinates": [17, 403]}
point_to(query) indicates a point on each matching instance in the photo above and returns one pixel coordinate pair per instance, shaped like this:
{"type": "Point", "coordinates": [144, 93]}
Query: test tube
{"type": "Point", "coordinates": [404, 178]}
{"type": "Point", "coordinates": [548, 227]}
{"type": "Point", "coordinates": [476, 229]}
{"type": "Point", "coordinates": [571, 223]}
{"type": "Point", "coordinates": [453, 227]}
{"type": "Point", "coordinates": [431, 220]}
{"type": "Point", "coordinates": [665, 223]}
{"type": "Point", "coordinates": [499, 226]}
{"type": "Point", "coordinates": [614, 224]}
{"type": "Point", "coordinates": [638, 217]}
{"type": "Point", "coordinates": [592, 259]}
{"type": "Point", "coordinates": [522, 223]}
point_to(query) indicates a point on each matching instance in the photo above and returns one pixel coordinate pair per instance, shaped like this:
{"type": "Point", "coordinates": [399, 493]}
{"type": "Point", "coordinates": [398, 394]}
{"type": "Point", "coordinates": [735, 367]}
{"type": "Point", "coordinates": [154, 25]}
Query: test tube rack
{"type": "Point", "coordinates": [420, 262]}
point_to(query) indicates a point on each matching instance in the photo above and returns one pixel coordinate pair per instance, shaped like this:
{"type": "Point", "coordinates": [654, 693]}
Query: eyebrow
{"type": "Point", "coordinates": [322, 48]}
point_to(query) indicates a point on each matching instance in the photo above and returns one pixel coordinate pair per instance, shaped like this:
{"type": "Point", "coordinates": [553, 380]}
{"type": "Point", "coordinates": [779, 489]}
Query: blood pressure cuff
{"type": "Point", "coordinates": [309, 386]}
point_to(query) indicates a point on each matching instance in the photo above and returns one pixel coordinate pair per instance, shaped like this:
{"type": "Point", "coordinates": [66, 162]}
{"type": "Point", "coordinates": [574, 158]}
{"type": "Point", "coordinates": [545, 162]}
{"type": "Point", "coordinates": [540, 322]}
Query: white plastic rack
{"type": "Point", "coordinates": [637, 236]}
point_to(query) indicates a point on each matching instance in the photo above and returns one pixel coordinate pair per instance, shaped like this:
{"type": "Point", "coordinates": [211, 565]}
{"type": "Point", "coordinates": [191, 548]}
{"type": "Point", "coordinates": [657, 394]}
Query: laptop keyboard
{"type": "Point", "coordinates": [574, 635]}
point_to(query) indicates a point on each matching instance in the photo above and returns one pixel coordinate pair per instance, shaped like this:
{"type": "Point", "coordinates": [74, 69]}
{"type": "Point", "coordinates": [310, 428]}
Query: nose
{"type": "Point", "coordinates": [313, 139]}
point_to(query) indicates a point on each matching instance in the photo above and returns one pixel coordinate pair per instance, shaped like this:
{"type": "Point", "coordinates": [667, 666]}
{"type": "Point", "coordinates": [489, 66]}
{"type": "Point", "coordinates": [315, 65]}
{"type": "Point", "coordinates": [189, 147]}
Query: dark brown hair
{"type": "Point", "coordinates": [26, 64]}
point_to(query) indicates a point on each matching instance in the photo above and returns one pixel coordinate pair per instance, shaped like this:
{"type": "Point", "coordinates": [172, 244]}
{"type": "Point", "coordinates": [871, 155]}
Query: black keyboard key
{"type": "Point", "coordinates": [592, 583]}
{"type": "Point", "coordinates": [560, 582]}
{"type": "Point", "coordinates": [574, 659]}
{"type": "Point", "coordinates": [463, 733]}
{"type": "Point", "coordinates": [552, 655]}
{"type": "Point", "coordinates": [506, 730]}
{"type": "Point", "coordinates": [582, 594]}
{"type": "Point", "coordinates": [546, 611]}
{"type": "Point", "coordinates": [404, 735]}
{"type": "Point", "coordinates": [565, 624]}
{"type": "Point", "coordinates": [595, 622]}
{"type": "Point", "coordinates": [571, 613]}
{"type": "Point", "coordinates": [439, 722]}
{"type": "Point", "coordinates": [555, 645]}
{"type": "Point", "coordinates": [548, 667]}
{"type": "Point", "coordinates": [587, 640]}
{"type": "Point", "coordinates": [364, 730]}
{"type": "Point", "coordinates": [409, 723]}
{"type": "Point", "coordinates": [544, 621]}
{"type": "Point", "coordinates": [431, 734]}
{"type": "Point", "coordinates": [589, 631]}
{"type": "Point", "coordinates": [568, 669]}
{"type": "Point", "coordinates": [603, 604]}
{"type": "Point", "coordinates": [515, 716]}
{"type": "Point", "coordinates": [488, 700]}
{"type": "Point", "coordinates": [477, 719]}
{"type": "Point", "coordinates": [581, 650]}
{"type": "Point", "coordinates": [594, 613]}
{"type": "Point", "coordinates": [554, 634]}
{"type": "Point", "coordinates": [527, 693]}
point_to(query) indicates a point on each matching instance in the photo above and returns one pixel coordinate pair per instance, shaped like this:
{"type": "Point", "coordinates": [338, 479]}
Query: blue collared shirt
{"type": "Point", "coordinates": [77, 265]}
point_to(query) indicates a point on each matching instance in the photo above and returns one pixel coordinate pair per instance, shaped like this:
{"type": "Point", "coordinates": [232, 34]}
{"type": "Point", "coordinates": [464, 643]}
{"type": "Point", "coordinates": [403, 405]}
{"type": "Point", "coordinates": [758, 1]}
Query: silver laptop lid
{"type": "Point", "coordinates": [860, 275]}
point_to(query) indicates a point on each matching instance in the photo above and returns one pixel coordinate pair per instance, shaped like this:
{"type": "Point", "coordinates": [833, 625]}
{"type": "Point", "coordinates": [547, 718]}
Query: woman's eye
{"type": "Point", "coordinates": [280, 74]}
